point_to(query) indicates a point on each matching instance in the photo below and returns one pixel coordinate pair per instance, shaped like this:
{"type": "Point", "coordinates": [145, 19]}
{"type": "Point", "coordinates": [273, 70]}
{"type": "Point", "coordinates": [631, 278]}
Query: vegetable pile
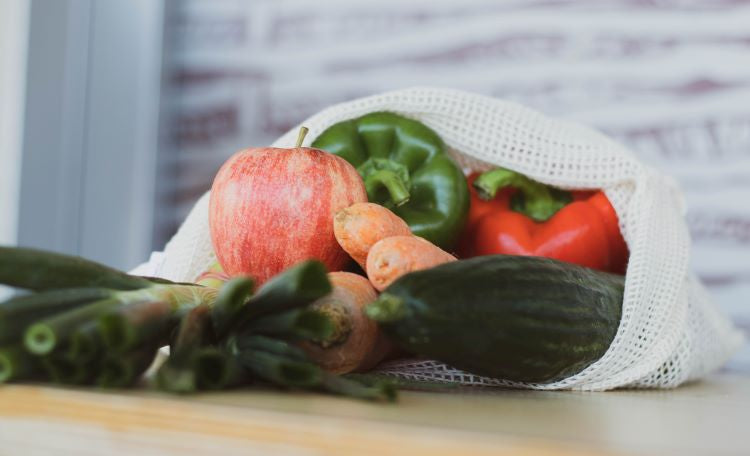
{"type": "Point", "coordinates": [87, 324]}
{"type": "Point", "coordinates": [370, 245]}
{"type": "Point", "coordinates": [405, 168]}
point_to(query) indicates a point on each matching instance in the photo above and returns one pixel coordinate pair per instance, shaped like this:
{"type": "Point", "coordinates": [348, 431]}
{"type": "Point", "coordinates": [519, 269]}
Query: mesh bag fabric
{"type": "Point", "coordinates": [671, 332]}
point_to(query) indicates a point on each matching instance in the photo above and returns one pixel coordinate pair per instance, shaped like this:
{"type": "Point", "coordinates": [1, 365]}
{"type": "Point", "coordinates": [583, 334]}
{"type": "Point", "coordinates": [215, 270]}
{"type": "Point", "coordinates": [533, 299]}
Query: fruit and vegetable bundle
{"type": "Point", "coordinates": [424, 237]}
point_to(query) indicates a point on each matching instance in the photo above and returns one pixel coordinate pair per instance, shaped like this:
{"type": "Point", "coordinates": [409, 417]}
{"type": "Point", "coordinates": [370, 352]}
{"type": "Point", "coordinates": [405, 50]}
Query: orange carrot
{"type": "Point", "coordinates": [394, 256]}
{"type": "Point", "coordinates": [358, 227]}
{"type": "Point", "coordinates": [356, 344]}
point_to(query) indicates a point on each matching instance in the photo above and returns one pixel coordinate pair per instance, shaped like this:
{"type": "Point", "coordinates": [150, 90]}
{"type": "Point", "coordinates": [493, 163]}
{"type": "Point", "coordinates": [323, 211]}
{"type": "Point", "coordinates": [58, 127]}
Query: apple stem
{"type": "Point", "coordinates": [301, 137]}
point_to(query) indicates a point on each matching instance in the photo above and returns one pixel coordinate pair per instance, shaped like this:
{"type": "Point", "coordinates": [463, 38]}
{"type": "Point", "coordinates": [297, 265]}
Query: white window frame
{"type": "Point", "coordinates": [90, 134]}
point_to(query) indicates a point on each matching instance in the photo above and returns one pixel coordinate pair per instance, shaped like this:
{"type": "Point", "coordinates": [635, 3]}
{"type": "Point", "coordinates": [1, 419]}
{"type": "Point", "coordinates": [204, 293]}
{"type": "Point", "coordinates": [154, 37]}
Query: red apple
{"type": "Point", "coordinates": [271, 208]}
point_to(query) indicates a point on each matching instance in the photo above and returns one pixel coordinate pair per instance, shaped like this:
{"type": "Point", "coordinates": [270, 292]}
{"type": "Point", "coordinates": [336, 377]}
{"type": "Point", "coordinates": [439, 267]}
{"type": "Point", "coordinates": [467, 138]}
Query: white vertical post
{"type": "Point", "coordinates": [13, 43]}
{"type": "Point", "coordinates": [90, 136]}
{"type": "Point", "coordinates": [14, 18]}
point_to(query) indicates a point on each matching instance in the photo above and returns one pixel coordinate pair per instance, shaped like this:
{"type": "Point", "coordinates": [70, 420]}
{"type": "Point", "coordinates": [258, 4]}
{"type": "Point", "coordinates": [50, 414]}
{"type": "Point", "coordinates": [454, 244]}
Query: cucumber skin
{"type": "Point", "coordinates": [39, 270]}
{"type": "Point", "coordinates": [523, 319]}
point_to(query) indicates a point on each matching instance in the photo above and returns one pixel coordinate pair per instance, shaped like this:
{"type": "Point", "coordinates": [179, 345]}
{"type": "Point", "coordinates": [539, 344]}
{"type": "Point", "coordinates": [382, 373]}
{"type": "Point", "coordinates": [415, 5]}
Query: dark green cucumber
{"type": "Point", "coordinates": [41, 270]}
{"type": "Point", "coordinates": [524, 319]}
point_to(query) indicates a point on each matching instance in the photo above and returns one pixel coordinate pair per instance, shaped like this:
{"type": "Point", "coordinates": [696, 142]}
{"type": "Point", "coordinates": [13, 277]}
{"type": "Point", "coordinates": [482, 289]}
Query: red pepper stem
{"type": "Point", "coordinates": [489, 183]}
{"type": "Point", "coordinates": [539, 202]}
{"type": "Point", "coordinates": [391, 181]}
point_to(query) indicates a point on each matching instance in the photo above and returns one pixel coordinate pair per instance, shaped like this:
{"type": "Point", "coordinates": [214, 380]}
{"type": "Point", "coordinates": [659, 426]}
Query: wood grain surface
{"type": "Point", "coordinates": [709, 417]}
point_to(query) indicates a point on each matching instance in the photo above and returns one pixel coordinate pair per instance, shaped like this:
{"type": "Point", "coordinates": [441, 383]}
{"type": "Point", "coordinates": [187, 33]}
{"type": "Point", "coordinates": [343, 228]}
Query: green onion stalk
{"type": "Point", "coordinates": [16, 364]}
{"type": "Point", "coordinates": [302, 324]}
{"type": "Point", "coordinates": [123, 321]}
{"type": "Point", "coordinates": [178, 373]}
{"type": "Point", "coordinates": [196, 360]}
{"type": "Point", "coordinates": [125, 370]}
{"type": "Point", "coordinates": [85, 323]}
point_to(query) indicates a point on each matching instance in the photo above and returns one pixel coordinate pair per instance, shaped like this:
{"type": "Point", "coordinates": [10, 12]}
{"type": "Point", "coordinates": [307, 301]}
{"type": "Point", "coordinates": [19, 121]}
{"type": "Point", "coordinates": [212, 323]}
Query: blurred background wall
{"type": "Point", "coordinates": [91, 117]}
{"type": "Point", "coordinates": [156, 95]}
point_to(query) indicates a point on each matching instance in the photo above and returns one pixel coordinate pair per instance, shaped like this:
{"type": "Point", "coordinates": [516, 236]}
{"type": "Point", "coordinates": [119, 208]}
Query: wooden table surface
{"type": "Point", "coordinates": [708, 417]}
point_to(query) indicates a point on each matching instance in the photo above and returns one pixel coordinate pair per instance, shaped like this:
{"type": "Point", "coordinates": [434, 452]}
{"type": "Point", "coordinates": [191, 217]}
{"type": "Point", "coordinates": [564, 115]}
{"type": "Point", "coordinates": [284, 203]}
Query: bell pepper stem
{"type": "Point", "coordinates": [489, 183]}
{"type": "Point", "coordinates": [392, 182]}
{"type": "Point", "coordinates": [540, 202]}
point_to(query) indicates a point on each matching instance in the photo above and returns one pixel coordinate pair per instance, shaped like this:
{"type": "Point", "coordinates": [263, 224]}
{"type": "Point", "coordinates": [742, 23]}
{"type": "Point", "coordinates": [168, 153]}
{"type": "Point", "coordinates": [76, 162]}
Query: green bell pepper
{"type": "Point", "coordinates": [405, 168]}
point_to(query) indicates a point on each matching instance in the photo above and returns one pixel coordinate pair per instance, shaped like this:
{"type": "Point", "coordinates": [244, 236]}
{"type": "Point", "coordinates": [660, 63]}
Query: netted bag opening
{"type": "Point", "coordinates": [670, 330]}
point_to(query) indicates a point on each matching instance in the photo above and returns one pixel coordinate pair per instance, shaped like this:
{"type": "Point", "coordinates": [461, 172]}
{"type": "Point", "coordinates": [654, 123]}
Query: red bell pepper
{"type": "Point", "coordinates": [511, 214]}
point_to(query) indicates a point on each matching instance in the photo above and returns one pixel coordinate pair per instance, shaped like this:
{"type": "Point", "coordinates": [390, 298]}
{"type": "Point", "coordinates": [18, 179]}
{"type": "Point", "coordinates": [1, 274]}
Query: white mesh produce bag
{"type": "Point", "coordinates": [670, 331]}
